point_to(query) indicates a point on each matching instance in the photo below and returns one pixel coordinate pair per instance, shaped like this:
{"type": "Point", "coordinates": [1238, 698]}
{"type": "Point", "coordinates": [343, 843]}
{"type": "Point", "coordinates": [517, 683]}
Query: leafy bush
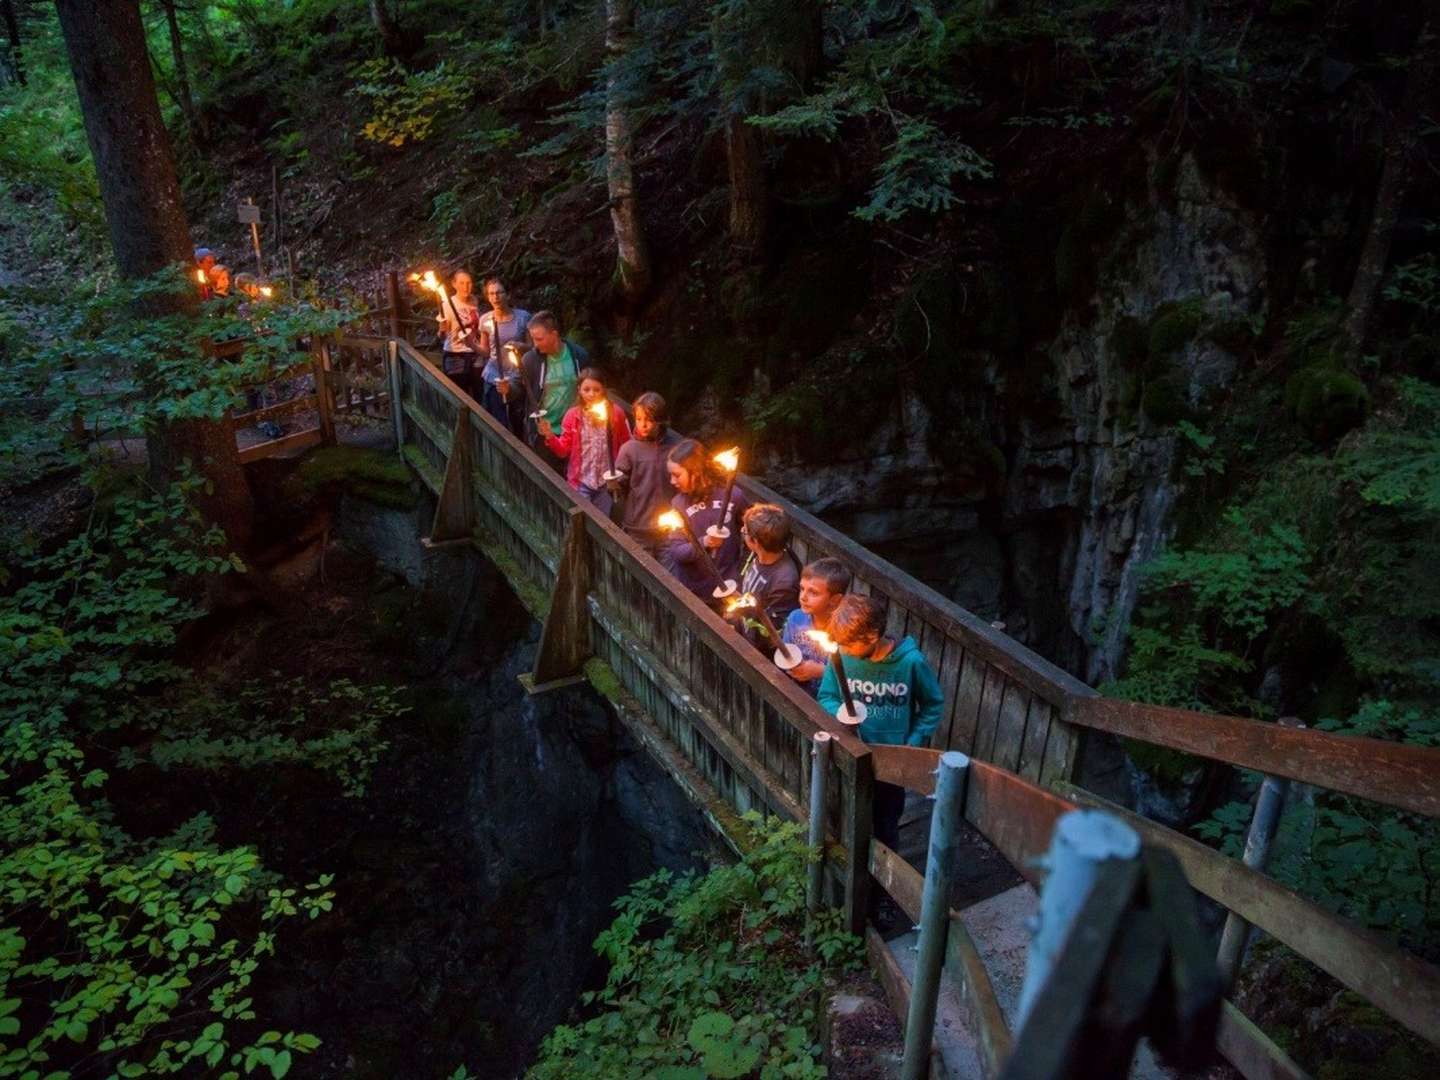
{"type": "Point", "coordinates": [710, 976]}
{"type": "Point", "coordinates": [131, 953]}
{"type": "Point", "coordinates": [406, 106]}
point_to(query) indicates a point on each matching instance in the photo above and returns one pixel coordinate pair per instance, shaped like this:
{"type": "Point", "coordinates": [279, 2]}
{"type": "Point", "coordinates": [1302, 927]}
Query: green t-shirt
{"type": "Point", "coordinates": [560, 387]}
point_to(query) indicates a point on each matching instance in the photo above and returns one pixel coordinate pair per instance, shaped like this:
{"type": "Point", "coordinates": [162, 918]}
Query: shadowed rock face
{"type": "Point", "coordinates": [1067, 481]}
{"type": "Point", "coordinates": [487, 855]}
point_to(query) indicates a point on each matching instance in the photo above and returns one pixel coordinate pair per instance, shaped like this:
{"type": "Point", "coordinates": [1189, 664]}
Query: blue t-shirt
{"type": "Point", "coordinates": [795, 633]}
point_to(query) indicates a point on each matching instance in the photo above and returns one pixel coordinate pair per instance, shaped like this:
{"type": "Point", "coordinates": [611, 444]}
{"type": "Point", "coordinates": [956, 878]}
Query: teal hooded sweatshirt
{"type": "Point", "coordinates": [902, 698]}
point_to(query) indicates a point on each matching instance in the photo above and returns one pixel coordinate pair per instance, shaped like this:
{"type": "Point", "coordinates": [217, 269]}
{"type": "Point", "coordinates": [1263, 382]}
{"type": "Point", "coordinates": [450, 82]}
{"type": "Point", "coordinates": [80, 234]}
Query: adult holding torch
{"type": "Point", "coordinates": [891, 685]}
{"type": "Point", "coordinates": [499, 327]}
{"type": "Point", "coordinates": [551, 372]}
{"type": "Point", "coordinates": [701, 501]}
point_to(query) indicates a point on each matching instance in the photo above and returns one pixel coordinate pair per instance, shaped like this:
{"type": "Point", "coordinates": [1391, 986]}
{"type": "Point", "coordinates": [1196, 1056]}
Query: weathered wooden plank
{"type": "Point", "coordinates": [286, 443]}
{"type": "Point", "coordinates": [303, 403]}
{"type": "Point", "coordinates": [1252, 1051]}
{"type": "Point", "coordinates": [1025, 666]}
{"type": "Point", "coordinates": [1397, 774]}
{"type": "Point", "coordinates": [1010, 726]}
{"type": "Point", "coordinates": [565, 635]}
{"type": "Point", "coordinates": [455, 507]}
{"type": "Point", "coordinates": [1037, 732]}
{"type": "Point", "coordinates": [648, 666]}
{"type": "Point", "coordinates": [951, 659]}
{"type": "Point", "coordinates": [898, 878]}
{"type": "Point", "coordinates": [987, 721]}
{"type": "Point", "coordinates": [1013, 814]}
{"type": "Point", "coordinates": [1402, 985]}
{"type": "Point", "coordinates": [965, 968]}
{"type": "Point", "coordinates": [967, 704]}
{"type": "Point", "coordinates": [1062, 748]}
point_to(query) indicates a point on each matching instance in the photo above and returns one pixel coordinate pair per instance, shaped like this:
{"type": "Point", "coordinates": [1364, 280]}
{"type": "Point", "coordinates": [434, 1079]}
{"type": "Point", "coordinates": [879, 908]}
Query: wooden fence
{"type": "Point", "coordinates": [739, 730]}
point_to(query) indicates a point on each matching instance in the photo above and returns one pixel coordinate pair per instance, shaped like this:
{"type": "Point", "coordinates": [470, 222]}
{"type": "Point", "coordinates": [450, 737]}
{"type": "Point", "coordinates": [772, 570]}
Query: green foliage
{"type": "Point", "coordinates": [818, 413]}
{"type": "Point", "coordinates": [122, 367]}
{"type": "Point", "coordinates": [1217, 603]}
{"type": "Point", "coordinates": [710, 976]}
{"type": "Point", "coordinates": [137, 950]}
{"type": "Point", "coordinates": [1366, 862]}
{"type": "Point", "coordinates": [1325, 402]}
{"type": "Point", "coordinates": [372, 475]}
{"type": "Point", "coordinates": [1174, 326]}
{"type": "Point", "coordinates": [1163, 400]}
{"type": "Point", "coordinates": [406, 106]}
{"type": "Point", "coordinates": [919, 173]}
{"type": "Point", "coordinates": [337, 729]}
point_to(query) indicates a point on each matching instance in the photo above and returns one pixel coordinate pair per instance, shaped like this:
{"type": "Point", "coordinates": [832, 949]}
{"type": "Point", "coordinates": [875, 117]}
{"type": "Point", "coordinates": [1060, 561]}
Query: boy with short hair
{"type": "Point", "coordinates": [642, 463]}
{"type": "Point", "coordinates": [770, 572]}
{"type": "Point", "coordinates": [902, 697]}
{"type": "Point", "coordinates": [823, 584]}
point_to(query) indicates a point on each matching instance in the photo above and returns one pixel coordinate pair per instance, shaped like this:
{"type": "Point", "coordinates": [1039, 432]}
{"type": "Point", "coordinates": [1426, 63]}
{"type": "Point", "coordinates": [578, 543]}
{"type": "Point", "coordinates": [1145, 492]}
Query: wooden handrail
{"type": "Point", "coordinates": [1397, 774]}
{"type": "Point", "coordinates": [1016, 660]}
{"type": "Point", "coordinates": [1402, 985]}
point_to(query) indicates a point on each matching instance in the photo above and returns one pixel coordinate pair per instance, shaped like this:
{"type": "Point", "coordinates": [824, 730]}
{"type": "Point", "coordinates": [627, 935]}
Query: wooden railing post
{"type": "Point", "coordinates": [819, 771]}
{"type": "Point", "coordinates": [1263, 823]}
{"type": "Point", "coordinates": [565, 636]}
{"type": "Point", "coordinates": [323, 398]}
{"type": "Point", "coordinates": [392, 301]}
{"type": "Point", "coordinates": [857, 844]}
{"type": "Point", "coordinates": [934, 912]}
{"type": "Point", "coordinates": [397, 393]}
{"type": "Point", "coordinates": [455, 509]}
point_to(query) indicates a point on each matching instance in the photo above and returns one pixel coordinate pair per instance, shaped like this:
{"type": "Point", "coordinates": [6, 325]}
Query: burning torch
{"type": "Point", "coordinates": [786, 656]}
{"type": "Point", "coordinates": [671, 520]}
{"type": "Point", "coordinates": [852, 712]}
{"type": "Point", "coordinates": [730, 461]}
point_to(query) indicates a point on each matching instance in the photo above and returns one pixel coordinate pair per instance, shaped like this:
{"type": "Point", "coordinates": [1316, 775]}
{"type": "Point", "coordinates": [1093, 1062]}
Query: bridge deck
{"type": "Point", "coordinates": [736, 733]}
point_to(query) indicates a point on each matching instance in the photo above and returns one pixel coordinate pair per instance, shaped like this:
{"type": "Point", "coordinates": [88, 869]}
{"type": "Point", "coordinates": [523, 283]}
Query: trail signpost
{"type": "Point", "coordinates": [249, 214]}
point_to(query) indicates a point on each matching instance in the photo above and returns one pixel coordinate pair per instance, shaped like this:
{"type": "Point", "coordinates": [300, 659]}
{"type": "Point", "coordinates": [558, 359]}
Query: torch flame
{"type": "Point", "coordinates": [824, 640]}
{"type": "Point", "coordinates": [200, 276]}
{"type": "Point", "coordinates": [741, 601]}
{"type": "Point", "coordinates": [266, 291]}
{"type": "Point", "coordinates": [599, 411]}
{"type": "Point", "coordinates": [671, 519]}
{"type": "Point", "coordinates": [729, 460]}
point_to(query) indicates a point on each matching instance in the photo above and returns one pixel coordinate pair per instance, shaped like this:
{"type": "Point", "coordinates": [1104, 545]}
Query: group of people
{"type": "Point", "coordinates": [547, 393]}
{"type": "Point", "coordinates": [213, 279]}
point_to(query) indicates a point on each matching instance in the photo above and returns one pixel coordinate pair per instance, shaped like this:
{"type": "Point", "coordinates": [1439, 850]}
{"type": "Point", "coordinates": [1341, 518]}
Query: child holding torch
{"type": "Point", "coordinates": [770, 573]}
{"type": "Point", "coordinates": [591, 435]}
{"type": "Point", "coordinates": [701, 500]}
{"type": "Point", "coordinates": [641, 465]}
{"type": "Point", "coordinates": [893, 686]}
{"type": "Point", "coordinates": [823, 584]}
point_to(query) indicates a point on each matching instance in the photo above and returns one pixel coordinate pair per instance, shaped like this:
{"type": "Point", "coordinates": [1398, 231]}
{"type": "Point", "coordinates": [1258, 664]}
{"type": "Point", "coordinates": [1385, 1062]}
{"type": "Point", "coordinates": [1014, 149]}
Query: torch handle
{"type": "Point", "coordinates": [700, 550]}
{"type": "Point", "coordinates": [729, 490]}
{"type": "Point", "coordinates": [844, 682]}
{"type": "Point", "coordinates": [768, 624]}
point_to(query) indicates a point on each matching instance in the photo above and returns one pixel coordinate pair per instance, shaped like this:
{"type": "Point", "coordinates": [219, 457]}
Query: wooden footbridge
{"type": "Point", "coordinates": [736, 733]}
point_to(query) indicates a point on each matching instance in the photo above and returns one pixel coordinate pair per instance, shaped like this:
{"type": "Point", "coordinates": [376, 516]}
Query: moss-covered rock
{"type": "Point", "coordinates": [1174, 326]}
{"type": "Point", "coordinates": [1130, 342]}
{"type": "Point", "coordinates": [1163, 400]}
{"type": "Point", "coordinates": [1326, 402]}
{"type": "Point", "coordinates": [374, 475]}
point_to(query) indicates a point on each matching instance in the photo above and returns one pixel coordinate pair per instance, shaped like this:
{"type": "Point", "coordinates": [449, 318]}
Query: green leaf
{"type": "Point", "coordinates": [280, 1064]}
{"type": "Point", "coordinates": [710, 1030]}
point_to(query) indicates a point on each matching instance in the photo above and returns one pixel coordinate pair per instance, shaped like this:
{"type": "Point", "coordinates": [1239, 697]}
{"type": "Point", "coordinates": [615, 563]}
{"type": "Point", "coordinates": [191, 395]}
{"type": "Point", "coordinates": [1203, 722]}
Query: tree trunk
{"type": "Point", "coordinates": [391, 39]}
{"type": "Point", "coordinates": [105, 40]}
{"type": "Point", "coordinates": [740, 46]}
{"type": "Point", "coordinates": [182, 73]}
{"type": "Point", "coordinates": [1395, 178]}
{"type": "Point", "coordinates": [632, 257]}
{"type": "Point", "coordinates": [12, 32]}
